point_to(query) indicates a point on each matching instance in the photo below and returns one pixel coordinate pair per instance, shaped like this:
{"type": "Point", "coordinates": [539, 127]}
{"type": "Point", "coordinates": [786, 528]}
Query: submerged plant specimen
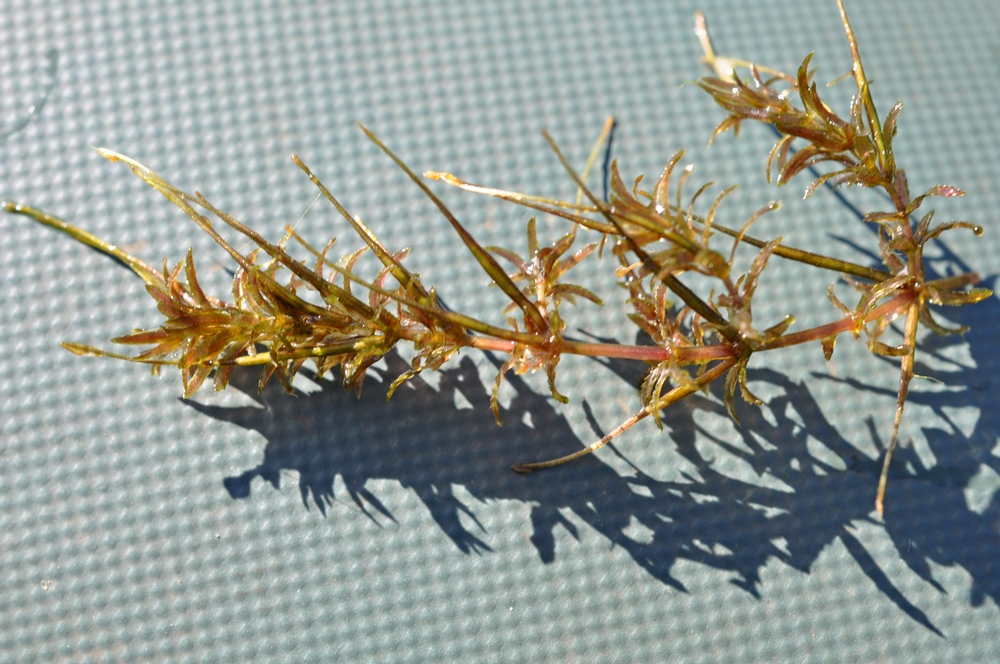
{"type": "Point", "coordinates": [286, 311]}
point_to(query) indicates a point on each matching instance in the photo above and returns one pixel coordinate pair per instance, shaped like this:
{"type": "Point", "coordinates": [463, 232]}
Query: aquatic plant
{"type": "Point", "coordinates": [286, 310]}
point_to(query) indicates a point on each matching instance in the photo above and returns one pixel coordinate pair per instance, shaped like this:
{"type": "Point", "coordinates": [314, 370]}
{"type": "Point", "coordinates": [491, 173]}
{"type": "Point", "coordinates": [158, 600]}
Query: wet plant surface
{"type": "Point", "coordinates": [776, 482]}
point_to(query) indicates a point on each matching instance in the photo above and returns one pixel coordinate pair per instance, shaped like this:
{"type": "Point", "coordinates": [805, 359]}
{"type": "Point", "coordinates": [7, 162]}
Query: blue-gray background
{"type": "Point", "coordinates": [134, 525]}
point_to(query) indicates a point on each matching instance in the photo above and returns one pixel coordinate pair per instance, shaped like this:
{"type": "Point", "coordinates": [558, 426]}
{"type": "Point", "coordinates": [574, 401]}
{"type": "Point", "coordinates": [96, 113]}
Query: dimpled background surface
{"type": "Point", "coordinates": [321, 527]}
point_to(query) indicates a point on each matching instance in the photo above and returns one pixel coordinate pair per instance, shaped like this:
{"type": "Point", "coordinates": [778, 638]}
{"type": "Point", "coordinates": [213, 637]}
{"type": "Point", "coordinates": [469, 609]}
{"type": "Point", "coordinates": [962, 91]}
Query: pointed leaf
{"type": "Point", "coordinates": [951, 225]}
{"type": "Point", "coordinates": [484, 259]}
{"type": "Point", "coordinates": [828, 344]}
{"type": "Point", "coordinates": [729, 389]}
{"type": "Point", "coordinates": [889, 127]}
{"type": "Point", "coordinates": [927, 319]}
{"type": "Point", "coordinates": [775, 331]}
{"type": "Point", "coordinates": [745, 392]}
{"type": "Point", "coordinates": [879, 348]}
{"type": "Point", "coordinates": [958, 298]}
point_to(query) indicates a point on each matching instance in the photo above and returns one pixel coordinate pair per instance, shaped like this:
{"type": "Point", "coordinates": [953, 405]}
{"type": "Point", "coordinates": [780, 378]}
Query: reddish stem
{"type": "Point", "coordinates": [847, 324]}
{"type": "Point", "coordinates": [685, 355]}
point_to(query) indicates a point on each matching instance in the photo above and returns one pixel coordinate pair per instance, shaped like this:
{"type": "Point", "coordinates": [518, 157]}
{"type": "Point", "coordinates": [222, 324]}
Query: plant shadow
{"type": "Point", "coordinates": [429, 441]}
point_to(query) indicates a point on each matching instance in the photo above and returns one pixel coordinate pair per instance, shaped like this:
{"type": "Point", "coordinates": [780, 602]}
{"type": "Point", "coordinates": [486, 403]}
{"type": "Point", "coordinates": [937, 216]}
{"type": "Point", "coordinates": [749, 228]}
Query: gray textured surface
{"type": "Point", "coordinates": [137, 526]}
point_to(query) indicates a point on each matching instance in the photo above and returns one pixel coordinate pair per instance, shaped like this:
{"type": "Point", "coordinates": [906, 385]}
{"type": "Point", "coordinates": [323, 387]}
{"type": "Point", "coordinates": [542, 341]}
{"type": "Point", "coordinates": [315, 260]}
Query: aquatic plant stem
{"type": "Point", "coordinates": [905, 376]}
{"type": "Point", "coordinates": [671, 397]}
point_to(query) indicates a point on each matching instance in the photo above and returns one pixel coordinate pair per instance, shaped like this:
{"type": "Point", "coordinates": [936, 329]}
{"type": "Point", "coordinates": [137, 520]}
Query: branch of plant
{"type": "Point", "coordinates": [656, 241]}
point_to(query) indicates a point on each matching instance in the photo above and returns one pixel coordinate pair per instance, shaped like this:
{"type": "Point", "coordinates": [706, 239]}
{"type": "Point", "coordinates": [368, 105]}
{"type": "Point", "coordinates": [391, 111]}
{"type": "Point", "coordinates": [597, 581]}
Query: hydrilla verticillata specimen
{"type": "Point", "coordinates": [286, 311]}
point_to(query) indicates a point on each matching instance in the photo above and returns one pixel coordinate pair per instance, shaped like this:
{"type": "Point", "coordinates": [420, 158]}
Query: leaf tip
{"type": "Point", "coordinates": [82, 350]}
{"type": "Point", "coordinates": [110, 155]}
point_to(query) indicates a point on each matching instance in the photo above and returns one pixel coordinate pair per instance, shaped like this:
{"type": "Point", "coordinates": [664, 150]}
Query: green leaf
{"type": "Point", "coordinates": [488, 263]}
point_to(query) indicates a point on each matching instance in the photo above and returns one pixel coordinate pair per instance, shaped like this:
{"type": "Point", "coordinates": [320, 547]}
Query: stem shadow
{"type": "Point", "coordinates": [429, 441]}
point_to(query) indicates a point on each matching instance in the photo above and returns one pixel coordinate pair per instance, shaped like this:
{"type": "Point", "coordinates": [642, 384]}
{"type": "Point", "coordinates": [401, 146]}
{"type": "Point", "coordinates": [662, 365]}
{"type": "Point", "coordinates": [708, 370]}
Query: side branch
{"type": "Point", "coordinates": [671, 397]}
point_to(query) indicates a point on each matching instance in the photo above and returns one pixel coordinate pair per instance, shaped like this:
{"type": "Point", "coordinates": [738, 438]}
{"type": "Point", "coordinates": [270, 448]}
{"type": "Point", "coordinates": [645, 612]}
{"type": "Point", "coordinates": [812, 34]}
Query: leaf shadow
{"type": "Point", "coordinates": [944, 511]}
{"type": "Point", "coordinates": [429, 441]}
